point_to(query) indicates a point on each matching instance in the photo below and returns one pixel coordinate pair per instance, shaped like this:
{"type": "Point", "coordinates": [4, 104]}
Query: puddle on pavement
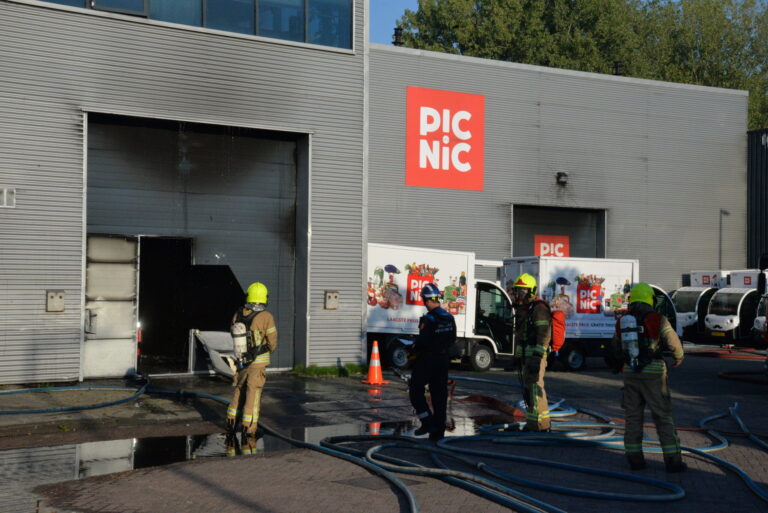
{"type": "Point", "coordinates": [22, 470]}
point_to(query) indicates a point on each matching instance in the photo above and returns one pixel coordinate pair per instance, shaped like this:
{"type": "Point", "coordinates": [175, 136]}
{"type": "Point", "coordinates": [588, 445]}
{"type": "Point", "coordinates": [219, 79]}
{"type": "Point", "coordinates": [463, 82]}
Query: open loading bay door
{"type": "Point", "coordinates": [202, 211]}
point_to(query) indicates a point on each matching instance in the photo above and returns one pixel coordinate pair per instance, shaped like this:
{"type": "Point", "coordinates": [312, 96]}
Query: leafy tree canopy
{"type": "Point", "coordinates": [720, 43]}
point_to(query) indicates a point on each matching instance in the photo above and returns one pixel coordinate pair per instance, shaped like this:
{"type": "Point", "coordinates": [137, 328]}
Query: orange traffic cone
{"type": "Point", "coordinates": [374, 368]}
{"type": "Point", "coordinates": [374, 428]}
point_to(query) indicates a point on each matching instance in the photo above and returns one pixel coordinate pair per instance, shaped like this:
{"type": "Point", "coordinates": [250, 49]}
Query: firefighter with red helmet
{"type": "Point", "coordinates": [437, 333]}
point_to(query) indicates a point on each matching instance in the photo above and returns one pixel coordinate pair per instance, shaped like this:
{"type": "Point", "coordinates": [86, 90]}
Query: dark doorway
{"type": "Point", "coordinates": [164, 265]}
{"type": "Point", "coordinates": [582, 230]}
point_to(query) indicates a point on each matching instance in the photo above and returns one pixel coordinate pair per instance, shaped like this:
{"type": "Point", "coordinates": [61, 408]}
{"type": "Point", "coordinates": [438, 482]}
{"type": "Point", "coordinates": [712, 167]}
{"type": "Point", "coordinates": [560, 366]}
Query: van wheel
{"type": "Point", "coordinates": [573, 357]}
{"type": "Point", "coordinates": [397, 354]}
{"type": "Point", "coordinates": [481, 358]}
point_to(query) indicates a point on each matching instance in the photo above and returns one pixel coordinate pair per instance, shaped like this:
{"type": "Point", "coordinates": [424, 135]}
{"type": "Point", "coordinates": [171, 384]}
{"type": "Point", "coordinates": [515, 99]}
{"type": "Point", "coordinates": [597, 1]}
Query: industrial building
{"type": "Point", "coordinates": [157, 156]}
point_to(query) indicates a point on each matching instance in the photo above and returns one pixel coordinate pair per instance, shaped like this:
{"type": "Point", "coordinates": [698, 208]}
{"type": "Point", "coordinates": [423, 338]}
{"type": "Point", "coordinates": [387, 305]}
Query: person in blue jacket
{"type": "Point", "coordinates": [437, 333]}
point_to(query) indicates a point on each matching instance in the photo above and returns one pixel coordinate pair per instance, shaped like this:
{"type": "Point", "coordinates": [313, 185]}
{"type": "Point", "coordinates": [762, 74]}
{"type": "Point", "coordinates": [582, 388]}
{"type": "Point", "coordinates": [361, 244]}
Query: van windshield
{"type": "Point", "coordinates": [685, 300]}
{"type": "Point", "coordinates": [725, 303]}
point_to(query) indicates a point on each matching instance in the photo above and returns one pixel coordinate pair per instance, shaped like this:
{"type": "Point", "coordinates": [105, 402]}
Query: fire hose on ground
{"type": "Point", "coordinates": [566, 434]}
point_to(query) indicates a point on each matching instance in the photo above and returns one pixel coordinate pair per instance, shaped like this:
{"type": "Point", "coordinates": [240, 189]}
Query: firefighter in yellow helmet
{"type": "Point", "coordinates": [533, 332]}
{"type": "Point", "coordinates": [637, 349]}
{"type": "Point", "coordinates": [261, 337]}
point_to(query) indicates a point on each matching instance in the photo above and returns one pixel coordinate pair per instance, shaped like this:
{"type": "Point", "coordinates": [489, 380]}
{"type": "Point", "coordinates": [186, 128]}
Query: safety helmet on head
{"type": "Point", "coordinates": [524, 287]}
{"type": "Point", "coordinates": [430, 291]}
{"type": "Point", "coordinates": [257, 293]}
{"type": "Point", "coordinates": [642, 293]}
{"type": "Point", "coordinates": [525, 281]}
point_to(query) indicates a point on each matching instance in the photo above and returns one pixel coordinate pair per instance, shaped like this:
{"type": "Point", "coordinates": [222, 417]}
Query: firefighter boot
{"type": "Point", "coordinates": [675, 463]}
{"type": "Point", "coordinates": [636, 461]}
{"type": "Point", "coordinates": [426, 426]}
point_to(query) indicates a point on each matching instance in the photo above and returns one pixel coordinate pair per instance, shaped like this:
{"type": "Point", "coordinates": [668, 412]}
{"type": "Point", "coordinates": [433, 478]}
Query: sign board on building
{"type": "Point", "coordinates": [444, 145]}
{"type": "Point", "coordinates": [552, 245]}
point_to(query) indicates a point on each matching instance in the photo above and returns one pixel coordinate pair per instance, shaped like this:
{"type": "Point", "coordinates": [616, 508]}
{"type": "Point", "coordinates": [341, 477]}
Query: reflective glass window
{"type": "Point", "coordinates": [127, 6]}
{"type": "Point", "coordinates": [685, 301]}
{"type": "Point", "coordinates": [188, 12]}
{"type": "Point", "coordinates": [330, 23]}
{"type": "Point", "coordinates": [725, 303]}
{"type": "Point", "coordinates": [282, 19]}
{"type": "Point", "coordinates": [73, 3]}
{"type": "Point", "coordinates": [230, 15]}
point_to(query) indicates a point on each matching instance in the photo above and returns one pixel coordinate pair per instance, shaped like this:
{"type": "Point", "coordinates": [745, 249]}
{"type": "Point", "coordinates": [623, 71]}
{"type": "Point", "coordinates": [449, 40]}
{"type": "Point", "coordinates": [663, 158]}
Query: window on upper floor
{"type": "Point", "coordinates": [330, 23]}
{"type": "Point", "coordinates": [282, 19]}
{"type": "Point", "coordinates": [187, 13]}
{"type": "Point", "coordinates": [320, 22]}
{"type": "Point", "coordinates": [138, 7]}
{"type": "Point", "coordinates": [72, 3]}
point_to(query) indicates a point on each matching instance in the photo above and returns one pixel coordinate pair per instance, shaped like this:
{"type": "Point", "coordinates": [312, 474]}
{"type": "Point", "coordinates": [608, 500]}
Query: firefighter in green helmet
{"type": "Point", "coordinates": [258, 326]}
{"type": "Point", "coordinates": [533, 321]}
{"type": "Point", "coordinates": [637, 350]}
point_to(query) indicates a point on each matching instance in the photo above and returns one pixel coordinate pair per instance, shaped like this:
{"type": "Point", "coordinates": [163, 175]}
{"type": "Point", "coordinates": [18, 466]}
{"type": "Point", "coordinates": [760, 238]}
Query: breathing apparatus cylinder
{"type": "Point", "coordinates": [629, 339]}
{"type": "Point", "coordinates": [239, 340]}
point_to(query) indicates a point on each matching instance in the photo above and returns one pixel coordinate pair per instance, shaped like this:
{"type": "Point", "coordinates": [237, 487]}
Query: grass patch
{"type": "Point", "coordinates": [349, 369]}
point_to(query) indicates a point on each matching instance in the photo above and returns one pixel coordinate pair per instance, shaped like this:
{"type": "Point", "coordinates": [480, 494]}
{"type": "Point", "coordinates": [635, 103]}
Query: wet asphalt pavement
{"type": "Point", "coordinates": [156, 452]}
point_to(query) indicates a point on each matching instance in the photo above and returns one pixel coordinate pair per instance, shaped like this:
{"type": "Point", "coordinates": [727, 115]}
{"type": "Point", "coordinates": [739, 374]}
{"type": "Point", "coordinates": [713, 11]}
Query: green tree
{"type": "Point", "coordinates": [720, 43]}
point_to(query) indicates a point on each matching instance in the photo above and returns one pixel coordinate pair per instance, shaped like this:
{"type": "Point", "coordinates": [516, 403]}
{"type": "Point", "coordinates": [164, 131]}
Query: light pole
{"type": "Point", "coordinates": [723, 212]}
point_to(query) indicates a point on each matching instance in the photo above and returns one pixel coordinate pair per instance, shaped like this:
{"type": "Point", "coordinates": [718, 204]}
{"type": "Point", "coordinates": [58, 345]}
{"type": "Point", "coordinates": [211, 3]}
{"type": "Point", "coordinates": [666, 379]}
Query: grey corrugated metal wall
{"type": "Point", "coordinates": [663, 159]}
{"type": "Point", "coordinates": [58, 62]}
{"type": "Point", "coordinates": [757, 165]}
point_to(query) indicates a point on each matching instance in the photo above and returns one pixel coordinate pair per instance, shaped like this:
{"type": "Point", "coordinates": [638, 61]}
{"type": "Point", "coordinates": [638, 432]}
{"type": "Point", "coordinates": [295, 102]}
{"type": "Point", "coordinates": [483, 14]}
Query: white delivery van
{"type": "Point", "coordinates": [759, 326]}
{"type": "Point", "coordinates": [747, 279]}
{"type": "Point", "coordinates": [731, 314]}
{"type": "Point", "coordinates": [754, 279]}
{"type": "Point", "coordinates": [590, 291]}
{"type": "Point", "coordinates": [482, 309]}
{"type": "Point", "coordinates": [691, 304]}
{"type": "Point", "coordinates": [717, 279]}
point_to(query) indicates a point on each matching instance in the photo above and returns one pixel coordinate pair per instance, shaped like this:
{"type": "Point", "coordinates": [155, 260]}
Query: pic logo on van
{"type": "Point", "coordinates": [444, 145]}
{"type": "Point", "coordinates": [415, 284]}
{"type": "Point", "coordinates": [552, 245]}
{"type": "Point", "coordinates": [748, 281]}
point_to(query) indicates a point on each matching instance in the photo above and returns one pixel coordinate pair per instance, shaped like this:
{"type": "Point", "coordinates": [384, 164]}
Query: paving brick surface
{"type": "Point", "coordinates": [303, 480]}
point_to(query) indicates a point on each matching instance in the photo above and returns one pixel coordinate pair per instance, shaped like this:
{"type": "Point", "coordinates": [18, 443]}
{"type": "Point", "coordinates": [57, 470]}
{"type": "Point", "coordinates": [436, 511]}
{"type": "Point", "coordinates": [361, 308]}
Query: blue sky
{"type": "Point", "coordinates": [384, 14]}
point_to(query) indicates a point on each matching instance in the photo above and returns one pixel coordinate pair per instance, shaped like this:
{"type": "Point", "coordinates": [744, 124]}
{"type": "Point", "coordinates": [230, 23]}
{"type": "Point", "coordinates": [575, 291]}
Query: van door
{"type": "Point", "coordinates": [493, 316]}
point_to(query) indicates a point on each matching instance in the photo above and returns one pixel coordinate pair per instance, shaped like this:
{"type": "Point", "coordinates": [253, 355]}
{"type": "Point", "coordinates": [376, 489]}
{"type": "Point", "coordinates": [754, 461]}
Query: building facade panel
{"type": "Point", "coordinates": [59, 63]}
{"type": "Point", "coordinates": [630, 148]}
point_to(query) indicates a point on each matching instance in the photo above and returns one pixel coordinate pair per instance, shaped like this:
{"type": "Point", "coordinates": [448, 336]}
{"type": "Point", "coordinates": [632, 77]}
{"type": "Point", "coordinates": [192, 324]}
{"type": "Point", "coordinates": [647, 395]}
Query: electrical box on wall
{"type": "Point", "coordinates": [54, 301]}
{"type": "Point", "coordinates": [331, 299]}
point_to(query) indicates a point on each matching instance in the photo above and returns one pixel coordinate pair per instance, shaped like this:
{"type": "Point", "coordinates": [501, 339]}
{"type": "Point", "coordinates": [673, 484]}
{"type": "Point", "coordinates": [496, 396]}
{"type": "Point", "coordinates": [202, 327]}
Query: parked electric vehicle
{"type": "Point", "coordinates": [759, 326]}
{"type": "Point", "coordinates": [691, 304]}
{"type": "Point", "coordinates": [731, 314]}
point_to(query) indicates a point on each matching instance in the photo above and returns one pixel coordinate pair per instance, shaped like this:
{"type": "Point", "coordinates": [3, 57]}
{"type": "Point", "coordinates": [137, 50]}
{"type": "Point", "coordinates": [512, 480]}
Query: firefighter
{"type": "Point", "coordinates": [637, 349]}
{"type": "Point", "coordinates": [437, 333]}
{"type": "Point", "coordinates": [250, 378]}
{"type": "Point", "coordinates": [533, 322]}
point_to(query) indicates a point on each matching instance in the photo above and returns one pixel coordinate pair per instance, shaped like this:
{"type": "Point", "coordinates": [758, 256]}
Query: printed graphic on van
{"type": "Point", "coordinates": [586, 294]}
{"type": "Point", "coordinates": [444, 133]}
{"type": "Point", "coordinates": [395, 290]}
